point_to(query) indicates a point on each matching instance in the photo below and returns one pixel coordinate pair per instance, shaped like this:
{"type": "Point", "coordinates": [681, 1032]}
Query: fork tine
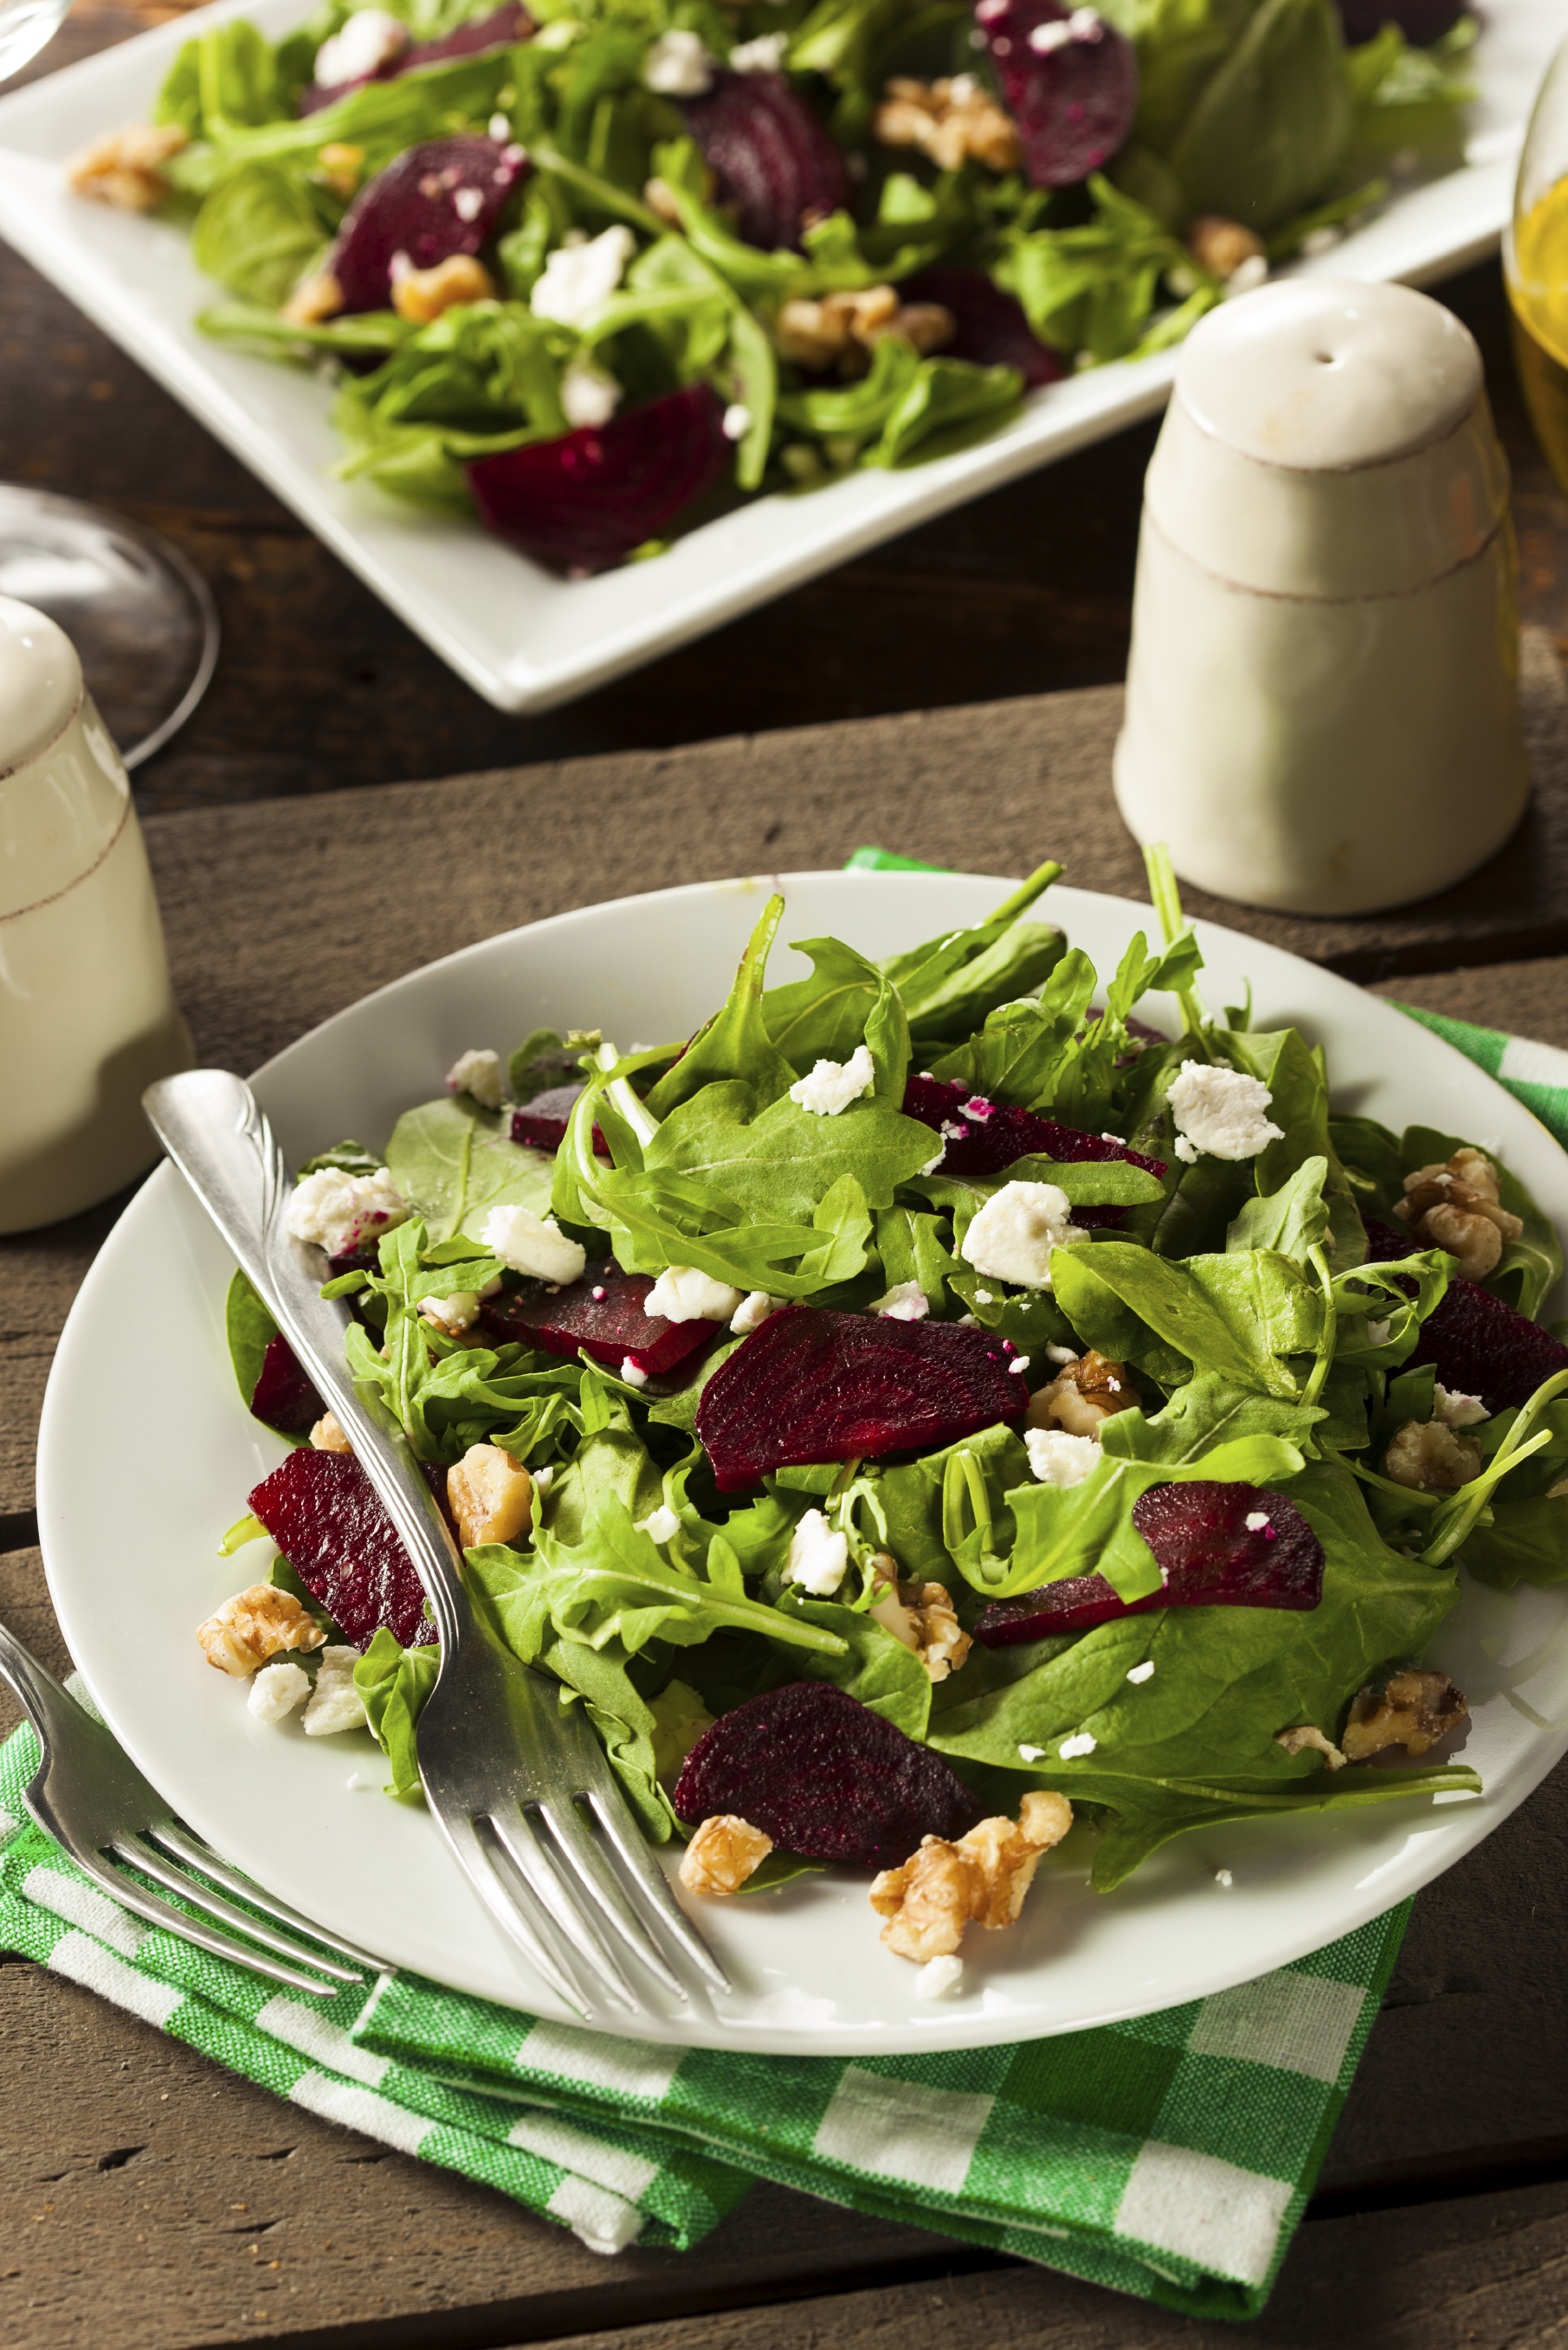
{"type": "Point", "coordinates": [518, 1838]}
{"type": "Point", "coordinates": [200, 1856]}
{"type": "Point", "coordinates": [500, 1899]}
{"type": "Point", "coordinates": [654, 1886]}
{"type": "Point", "coordinates": [576, 1839]}
{"type": "Point", "coordinates": [155, 1910]}
{"type": "Point", "coordinates": [140, 1855]}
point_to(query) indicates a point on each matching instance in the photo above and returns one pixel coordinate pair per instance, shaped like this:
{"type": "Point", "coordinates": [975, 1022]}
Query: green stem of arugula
{"type": "Point", "coordinates": [1023, 896]}
{"type": "Point", "coordinates": [1320, 1369]}
{"type": "Point", "coordinates": [1466, 1505]}
{"type": "Point", "coordinates": [1166, 899]}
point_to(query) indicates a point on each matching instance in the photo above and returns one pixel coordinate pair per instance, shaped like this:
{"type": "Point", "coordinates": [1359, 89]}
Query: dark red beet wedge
{"type": "Point", "coordinates": [992, 329]}
{"type": "Point", "coordinates": [1208, 1556]}
{"type": "Point", "coordinates": [602, 1314]}
{"type": "Point", "coordinates": [826, 1777]}
{"type": "Point", "coordinates": [283, 1396]}
{"type": "Point", "coordinates": [499, 31]}
{"type": "Point", "coordinates": [991, 1136]}
{"type": "Point", "coordinates": [322, 1511]}
{"type": "Point", "coordinates": [1071, 86]}
{"type": "Point", "coordinates": [543, 1122]}
{"type": "Point", "coordinates": [582, 503]}
{"type": "Point", "coordinates": [815, 1385]}
{"type": "Point", "coordinates": [776, 165]}
{"type": "Point", "coordinates": [1476, 1343]}
{"type": "Point", "coordinates": [437, 199]}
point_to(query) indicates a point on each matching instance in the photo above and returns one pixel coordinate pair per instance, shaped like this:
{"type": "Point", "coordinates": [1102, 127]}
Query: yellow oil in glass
{"type": "Point", "coordinates": [1538, 292]}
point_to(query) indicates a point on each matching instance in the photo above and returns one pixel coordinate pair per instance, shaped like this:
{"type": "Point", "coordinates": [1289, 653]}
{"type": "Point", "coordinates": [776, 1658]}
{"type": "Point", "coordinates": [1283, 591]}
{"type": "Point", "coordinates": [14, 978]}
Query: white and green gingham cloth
{"type": "Point", "coordinates": [1171, 2157]}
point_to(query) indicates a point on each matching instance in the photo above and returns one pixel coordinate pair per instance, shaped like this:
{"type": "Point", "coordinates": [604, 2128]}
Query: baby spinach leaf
{"type": "Point", "coordinates": [250, 1329]}
{"type": "Point", "coordinates": [1232, 1315]}
{"type": "Point", "coordinates": [1273, 120]}
{"type": "Point", "coordinates": [1289, 1221]}
{"type": "Point", "coordinates": [258, 233]}
{"type": "Point", "coordinates": [780, 1161]}
{"type": "Point", "coordinates": [455, 1161]}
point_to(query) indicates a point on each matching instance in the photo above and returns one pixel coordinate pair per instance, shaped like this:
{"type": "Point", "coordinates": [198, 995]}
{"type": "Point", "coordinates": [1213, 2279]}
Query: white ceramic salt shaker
{"type": "Point", "coordinates": [1323, 690]}
{"type": "Point", "coordinates": [87, 1016]}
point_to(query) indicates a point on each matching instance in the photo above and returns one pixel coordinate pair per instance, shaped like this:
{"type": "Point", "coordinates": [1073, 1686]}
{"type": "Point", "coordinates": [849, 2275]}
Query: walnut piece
{"type": "Point", "coordinates": [843, 327]}
{"type": "Point", "coordinates": [326, 1436]}
{"type": "Point", "coordinates": [1428, 1455]}
{"type": "Point", "coordinates": [1222, 246]}
{"type": "Point", "coordinates": [1294, 1740]}
{"type": "Point", "coordinates": [921, 1615]}
{"type": "Point", "coordinates": [490, 1495]}
{"type": "Point", "coordinates": [1457, 1207]}
{"type": "Point", "coordinates": [421, 294]}
{"type": "Point", "coordinates": [981, 1879]}
{"type": "Point", "coordinates": [315, 299]}
{"type": "Point", "coordinates": [340, 165]}
{"type": "Point", "coordinates": [123, 169]}
{"type": "Point", "coordinates": [723, 1854]}
{"type": "Point", "coordinates": [949, 120]}
{"type": "Point", "coordinates": [253, 1626]}
{"type": "Point", "coordinates": [1412, 1710]}
{"type": "Point", "coordinates": [1082, 1395]}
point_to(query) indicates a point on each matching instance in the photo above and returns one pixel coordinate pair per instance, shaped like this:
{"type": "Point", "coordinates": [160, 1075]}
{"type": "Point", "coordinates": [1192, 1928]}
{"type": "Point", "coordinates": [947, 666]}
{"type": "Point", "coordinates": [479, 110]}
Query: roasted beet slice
{"type": "Point", "coordinates": [602, 1314]}
{"type": "Point", "coordinates": [323, 1512]}
{"type": "Point", "coordinates": [992, 329]}
{"type": "Point", "coordinates": [984, 1137]}
{"type": "Point", "coordinates": [1208, 1556]}
{"type": "Point", "coordinates": [1476, 1344]}
{"type": "Point", "coordinates": [437, 199]}
{"type": "Point", "coordinates": [582, 503]}
{"type": "Point", "coordinates": [1069, 81]}
{"type": "Point", "coordinates": [498, 31]}
{"type": "Point", "coordinates": [543, 1121]}
{"type": "Point", "coordinates": [284, 1396]}
{"type": "Point", "coordinates": [816, 1385]}
{"type": "Point", "coordinates": [826, 1777]}
{"type": "Point", "coordinates": [776, 165]}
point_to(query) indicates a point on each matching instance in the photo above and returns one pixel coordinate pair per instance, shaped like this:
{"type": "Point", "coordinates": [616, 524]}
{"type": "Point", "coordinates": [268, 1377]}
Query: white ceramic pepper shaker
{"type": "Point", "coordinates": [87, 1017]}
{"type": "Point", "coordinates": [1323, 691]}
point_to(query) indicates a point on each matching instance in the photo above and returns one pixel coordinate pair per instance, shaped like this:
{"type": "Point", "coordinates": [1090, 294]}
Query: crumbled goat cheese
{"type": "Point", "coordinates": [370, 37]}
{"type": "Point", "coordinates": [455, 1313]}
{"type": "Point", "coordinates": [1458, 1410]}
{"type": "Point", "coordinates": [1221, 1111]}
{"type": "Point", "coordinates": [818, 1558]}
{"type": "Point", "coordinates": [685, 1293]}
{"type": "Point", "coordinates": [337, 1211]}
{"type": "Point", "coordinates": [764, 54]}
{"type": "Point", "coordinates": [659, 1526]}
{"type": "Point", "coordinates": [1058, 1459]}
{"type": "Point", "coordinates": [678, 66]}
{"type": "Point", "coordinates": [834, 1084]}
{"type": "Point", "coordinates": [479, 1073]}
{"type": "Point", "coordinates": [988, 1297]}
{"type": "Point", "coordinates": [737, 422]}
{"type": "Point", "coordinates": [1187, 1151]}
{"type": "Point", "coordinates": [1031, 1753]}
{"type": "Point", "coordinates": [1143, 1672]}
{"type": "Point", "coordinates": [276, 1690]}
{"type": "Point", "coordinates": [1224, 1877]}
{"type": "Point", "coordinates": [335, 1703]}
{"type": "Point", "coordinates": [905, 1302]}
{"type": "Point", "coordinates": [1061, 1355]}
{"type": "Point", "coordinates": [543, 1481]}
{"type": "Point", "coordinates": [753, 1311]}
{"type": "Point", "coordinates": [1070, 1748]}
{"type": "Point", "coordinates": [1255, 1521]}
{"type": "Point", "coordinates": [500, 129]}
{"type": "Point", "coordinates": [932, 1165]}
{"type": "Point", "coordinates": [578, 279]}
{"type": "Point", "coordinates": [1016, 1231]}
{"type": "Point", "coordinates": [940, 1977]}
{"type": "Point", "coordinates": [634, 1375]}
{"type": "Point", "coordinates": [589, 394]}
{"type": "Point", "coordinates": [1019, 1363]}
{"type": "Point", "coordinates": [468, 202]}
{"type": "Point", "coordinates": [533, 1245]}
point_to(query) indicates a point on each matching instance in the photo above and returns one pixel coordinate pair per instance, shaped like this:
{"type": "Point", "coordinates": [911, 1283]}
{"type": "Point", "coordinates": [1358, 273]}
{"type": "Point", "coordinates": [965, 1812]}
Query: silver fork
{"type": "Point", "coordinates": [517, 1784]}
{"type": "Point", "coordinates": [90, 1797]}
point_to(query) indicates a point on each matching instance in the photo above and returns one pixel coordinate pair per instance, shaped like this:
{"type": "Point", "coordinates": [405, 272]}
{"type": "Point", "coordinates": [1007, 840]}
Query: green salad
{"type": "Point", "coordinates": [766, 1373]}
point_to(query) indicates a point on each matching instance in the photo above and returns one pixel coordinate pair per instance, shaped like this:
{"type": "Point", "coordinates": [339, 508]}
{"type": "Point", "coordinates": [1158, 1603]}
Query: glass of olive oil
{"type": "Point", "coordinates": [1535, 267]}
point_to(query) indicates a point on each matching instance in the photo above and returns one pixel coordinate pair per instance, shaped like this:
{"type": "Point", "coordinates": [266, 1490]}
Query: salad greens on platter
{"type": "Point", "coordinates": [925, 1351]}
{"type": "Point", "coordinates": [592, 267]}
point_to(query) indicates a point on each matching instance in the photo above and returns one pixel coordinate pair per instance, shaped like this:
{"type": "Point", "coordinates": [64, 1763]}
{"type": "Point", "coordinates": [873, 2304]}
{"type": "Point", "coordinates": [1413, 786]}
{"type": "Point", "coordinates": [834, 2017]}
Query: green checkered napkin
{"type": "Point", "coordinates": [1171, 2157]}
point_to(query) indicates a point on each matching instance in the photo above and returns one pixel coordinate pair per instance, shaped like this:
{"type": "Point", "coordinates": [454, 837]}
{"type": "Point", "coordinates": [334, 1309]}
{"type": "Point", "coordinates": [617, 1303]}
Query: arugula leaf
{"type": "Point", "coordinates": [734, 1043]}
{"type": "Point", "coordinates": [1289, 1221]}
{"type": "Point", "coordinates": [948, 984]}
{"type": "Point", "coordinates": [394, 1683]}
{"type": "Point", "coordinates": [259, 232]}
{"type": "Point", "coordinates": [1233, 1315]}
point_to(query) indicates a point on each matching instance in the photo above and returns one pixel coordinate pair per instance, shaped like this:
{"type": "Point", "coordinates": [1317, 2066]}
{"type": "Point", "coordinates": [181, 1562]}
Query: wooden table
{"type": "Point", "coordinates": [146, 2198]}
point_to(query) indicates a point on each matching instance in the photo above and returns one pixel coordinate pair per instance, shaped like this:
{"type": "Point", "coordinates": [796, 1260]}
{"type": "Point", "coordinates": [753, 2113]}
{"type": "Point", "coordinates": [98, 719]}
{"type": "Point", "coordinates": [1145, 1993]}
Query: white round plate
{"type": "Point", "coordinates": [147, 1453]}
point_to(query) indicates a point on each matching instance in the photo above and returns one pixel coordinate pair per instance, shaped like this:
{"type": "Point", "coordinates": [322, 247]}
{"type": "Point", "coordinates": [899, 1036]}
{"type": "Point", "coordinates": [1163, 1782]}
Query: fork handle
{"type": "Point", "coordinates": [37, 1691]}
{"type": "Point", "coordinates": [216, 1133]}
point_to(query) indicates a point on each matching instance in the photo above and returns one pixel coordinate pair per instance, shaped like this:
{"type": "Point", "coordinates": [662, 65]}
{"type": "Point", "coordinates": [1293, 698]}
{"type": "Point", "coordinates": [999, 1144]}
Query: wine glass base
{"type": "Point", "coordinates": [141, 618]}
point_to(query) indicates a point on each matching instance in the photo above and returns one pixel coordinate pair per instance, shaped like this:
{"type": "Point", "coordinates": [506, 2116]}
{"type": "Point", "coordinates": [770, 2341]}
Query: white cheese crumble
{"type": "Point", "coordinates": [684, 1293]}
{"type": "Point", "coordinates": [589, 394]}
{"type": "Point", "coordinates": [369, 38]}
{"type": "Point", "coordinates": [335, 1703]}
{"type": "Point", "coordinates": [1255, 1521]}
{"type": "Point", "coordinates": [1019, 1363]}
{"type": "Point", "coordinates": [678, 66]}
{"type": "Point", "coordinates": [468, 202]}
{"type": "Point", "coordinates": [500, 129]}
{"type": "Point", "coordinates": [1031, 1753]}
{"type": "Point", "coordinates": [1070, 1748]}
{"type": "Point", "coordinates": [753, 1311]}
{"type": "Point", "coordinates": [1458, 1410]}
{"type": "Point", "coordinates": [632, 1373]}
{"type": "Point", "coordinates": [542, 1480]}
{"type": "Point", "coordinates": [818, 1558]}
{"type": "Point", "coordinates": [1221, 1111]}
{"type": "Point", "coordinates": [834, 1084]}
{"type": "Point", "coordinates": [1016, 1231]}
{"type": "Point", "coordinates": [905, 1302]}
{"type": "Point", "coordinates": [764, 54]}
{"type": "Point", "coordinates": [337, 1211]}
{"type": "Point", "coordinates": [455, 1313]}
{"type": "Point", "coordinates": [479, 1073]}
{"type": "Point", "coordinates": [1224, 1877]}
{"type": "Point", "coordinates": [1061, 1355]}
{"type": "Point", "coordinates": [986, 1297]}
{"type": "Point", "coordinates": [276, 1690]}
{"type": "Point", "coordinates": [533, 1245]}
{"type": "Point", "coordinates": [737, 421]}
{"type": "Point", "coordinates": [940, 1977]}
{"type": "Point", "coordinates": [1058, 1459]}
{"type": "Point", "coordinates": [660, 1525]}
{"type": "Point", "coordinates": [1143, 1672]}
{"type": "Point", "coordinates": [1187, 1151]}
{"type": "Point", "coordinates": [578, 279]}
